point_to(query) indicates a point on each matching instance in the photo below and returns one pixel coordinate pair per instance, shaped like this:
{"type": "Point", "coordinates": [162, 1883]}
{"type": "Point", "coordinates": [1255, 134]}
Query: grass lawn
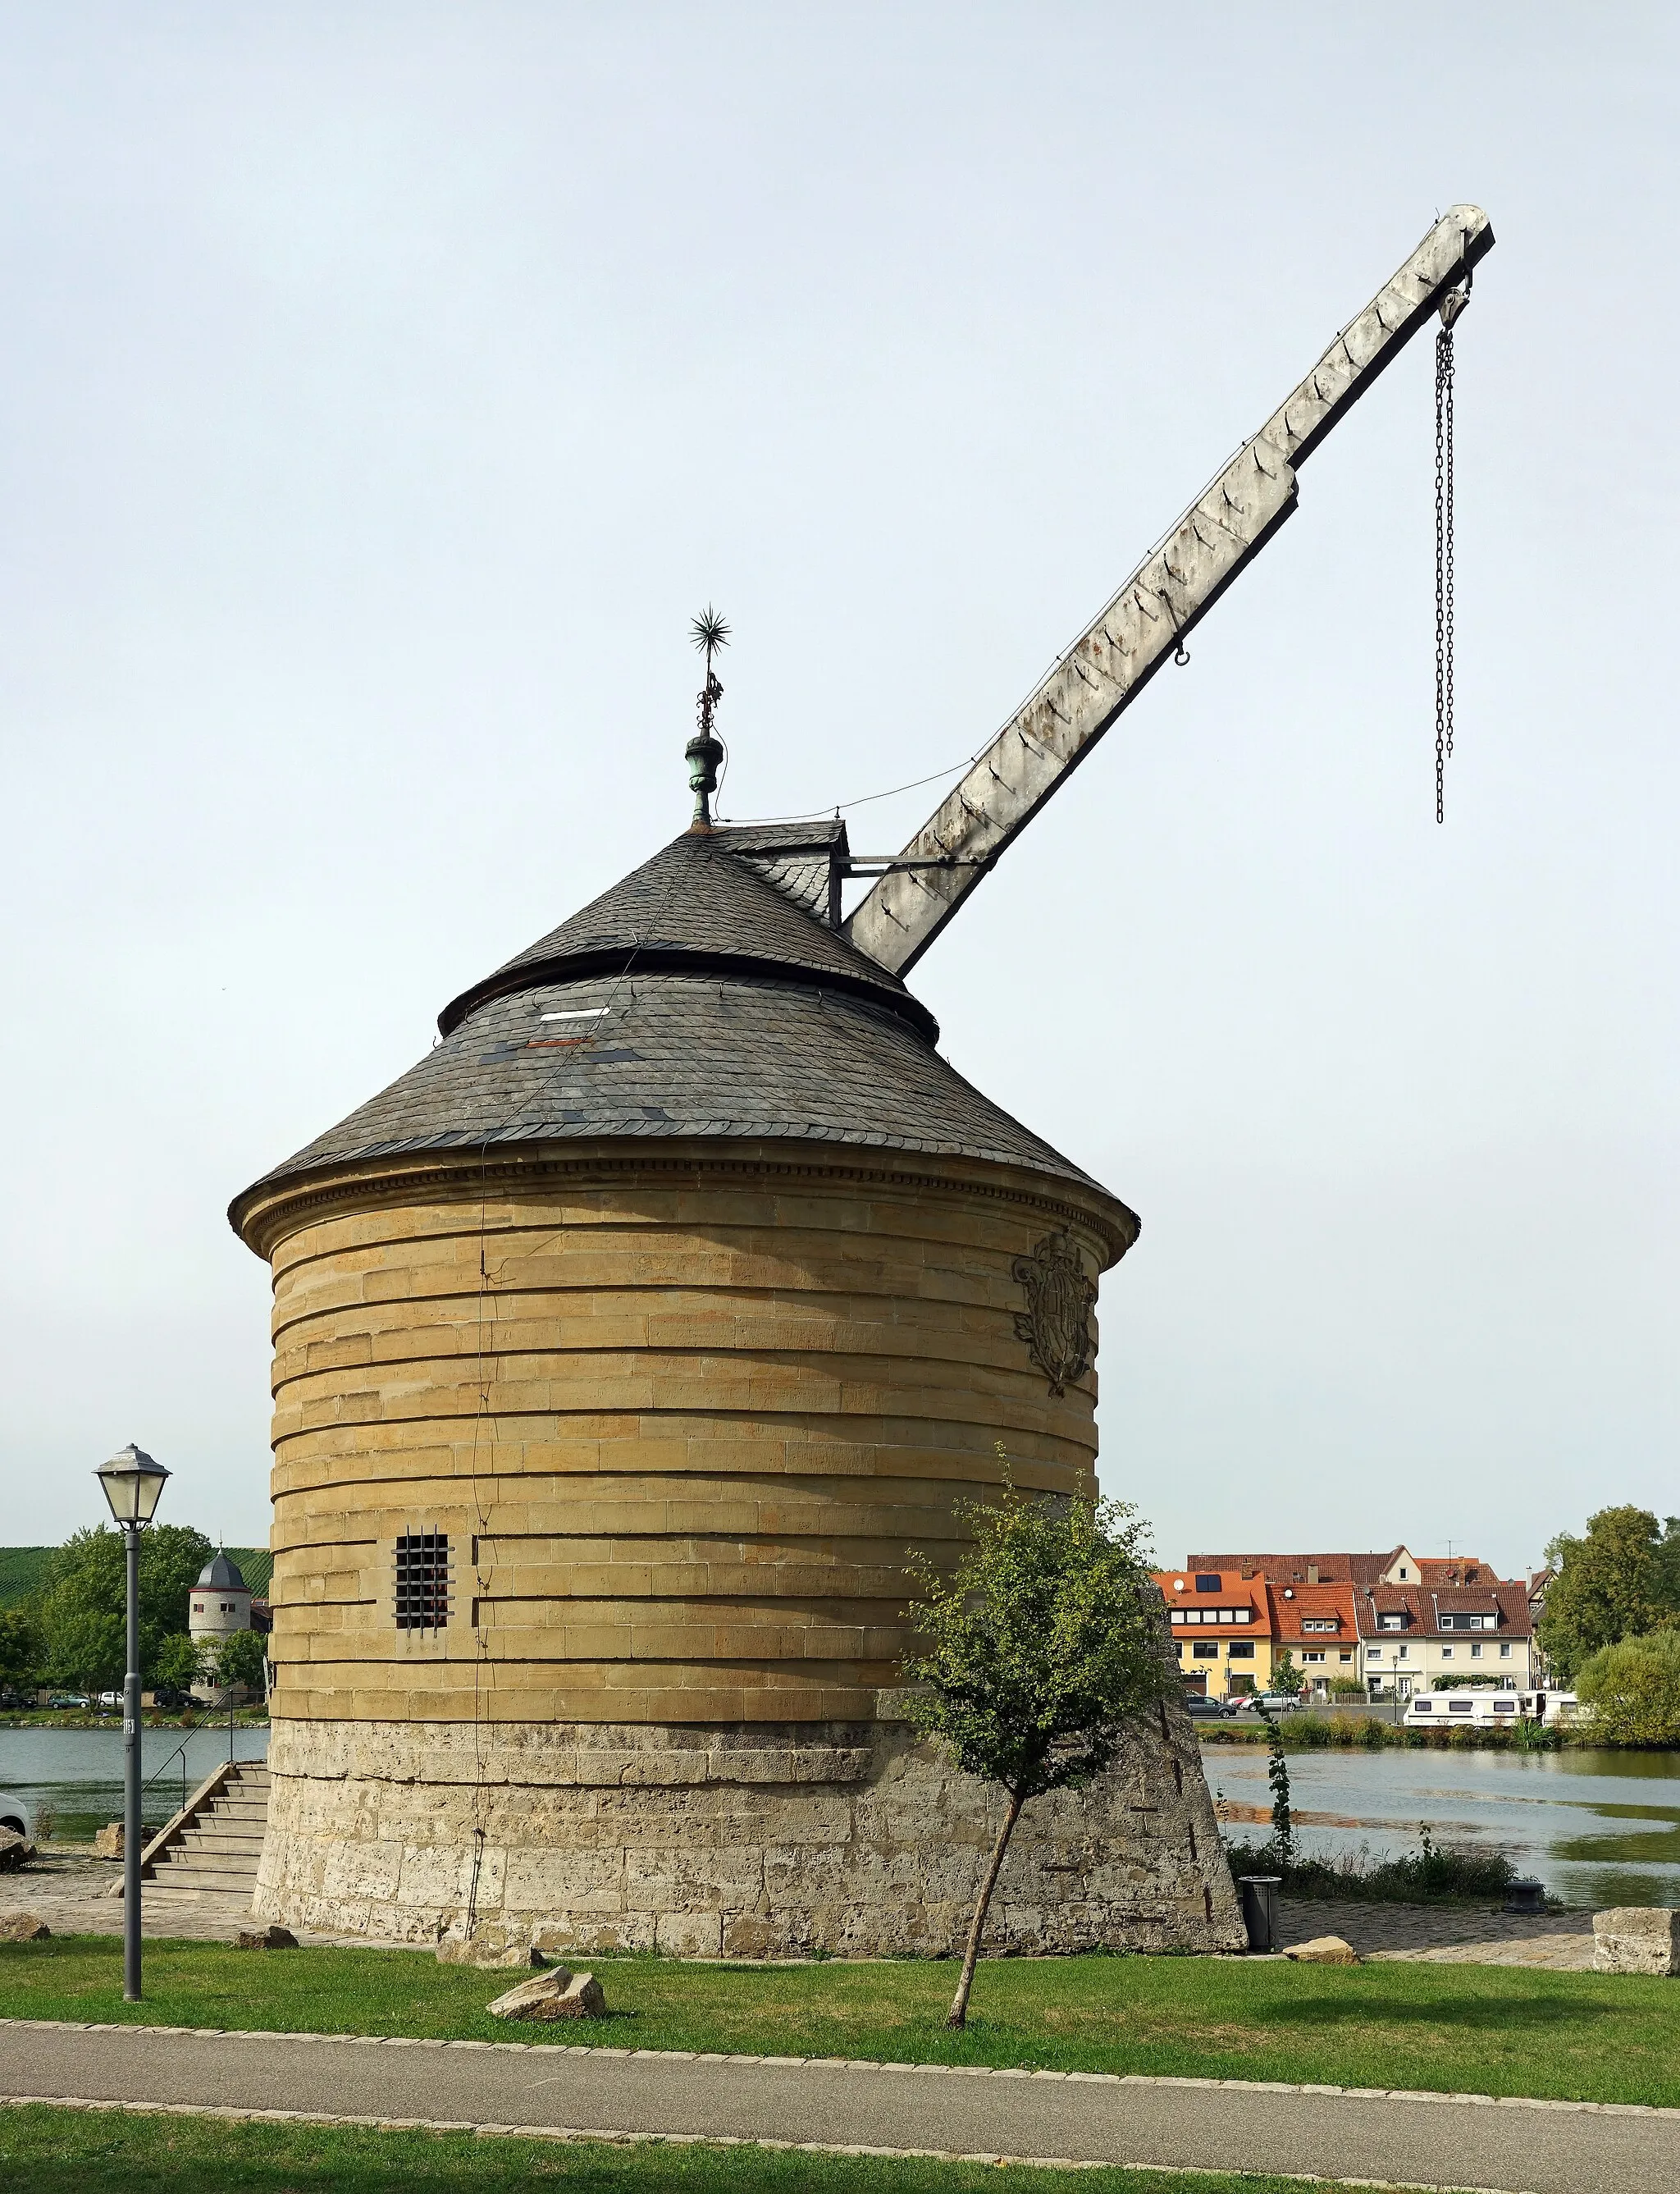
{"type": "Point", "coordinates": [57, 2151]}
{"type": "Point", "coordinates": [1493, 2030]}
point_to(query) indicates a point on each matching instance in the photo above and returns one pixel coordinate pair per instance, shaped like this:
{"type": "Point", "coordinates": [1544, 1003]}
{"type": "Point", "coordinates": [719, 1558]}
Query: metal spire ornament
{"type": "Point", "coordinates": [706, 750]}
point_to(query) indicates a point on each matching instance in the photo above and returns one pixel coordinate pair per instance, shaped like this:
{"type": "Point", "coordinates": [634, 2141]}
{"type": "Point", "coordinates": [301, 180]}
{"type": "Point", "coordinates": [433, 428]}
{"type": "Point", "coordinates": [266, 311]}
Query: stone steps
{"type": "Point", "coordinates": [214, 1852]}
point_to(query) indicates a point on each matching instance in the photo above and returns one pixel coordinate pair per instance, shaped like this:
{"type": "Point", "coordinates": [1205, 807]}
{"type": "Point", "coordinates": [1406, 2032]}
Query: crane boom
{"type": "Point", "coordinates": [1171, 590]}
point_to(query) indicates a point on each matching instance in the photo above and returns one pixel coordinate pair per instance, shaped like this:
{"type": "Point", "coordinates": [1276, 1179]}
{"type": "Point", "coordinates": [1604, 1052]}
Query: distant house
{"type": "Point", "coordinates": [1319, 1625]}
{"type": "Point", "coordinates": [1221, 1630]}
{"type": "Point", "coordinates": [1413, 1635]}
{"type": "Point", "coordinates": [1413, 1619]}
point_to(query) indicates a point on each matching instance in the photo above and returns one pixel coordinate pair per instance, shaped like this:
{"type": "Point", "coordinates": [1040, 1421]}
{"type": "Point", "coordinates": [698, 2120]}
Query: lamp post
{"type": "Point", "coordinates": [132, 1483]}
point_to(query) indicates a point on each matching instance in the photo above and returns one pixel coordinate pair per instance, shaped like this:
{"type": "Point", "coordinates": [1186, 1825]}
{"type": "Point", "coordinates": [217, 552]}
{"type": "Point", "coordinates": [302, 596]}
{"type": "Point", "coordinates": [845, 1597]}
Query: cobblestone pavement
{"type": "Point", "coordinates": [1445, 1934]}
{"type": "Point", "coordinates": [71, 1894]}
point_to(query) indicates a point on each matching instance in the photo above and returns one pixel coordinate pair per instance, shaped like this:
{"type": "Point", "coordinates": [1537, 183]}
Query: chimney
{"type": "Point", "coordinates": [1312, 1572]}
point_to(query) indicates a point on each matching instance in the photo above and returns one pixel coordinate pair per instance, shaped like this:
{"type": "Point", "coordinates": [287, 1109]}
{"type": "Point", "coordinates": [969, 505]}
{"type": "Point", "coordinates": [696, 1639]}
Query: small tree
{"type": "Point", "coordinates": [1282, 1819]}
{"type": "Point", "coordinates": [1045, 1639]}
{"type": "Point", "coordinates": [179, 1662]}
{"type": "Point", "coordinates": [238, 1659]}
{"type": "Point", "coordinates": [1286, 1677]}
{"type": "Point", "coordinates": [1634, 1690]}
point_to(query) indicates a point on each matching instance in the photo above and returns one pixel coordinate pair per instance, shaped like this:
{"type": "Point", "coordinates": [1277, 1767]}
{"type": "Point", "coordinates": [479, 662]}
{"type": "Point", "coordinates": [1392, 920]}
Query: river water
{"type": "Point", "coordinates": [1597, 1828]}
{"type": "Point", "coordinates": [78, 1773]}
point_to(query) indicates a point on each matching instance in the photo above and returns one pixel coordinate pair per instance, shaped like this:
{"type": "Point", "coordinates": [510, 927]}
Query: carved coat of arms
{"type": "Point", "coordinates": [1056, 1324]}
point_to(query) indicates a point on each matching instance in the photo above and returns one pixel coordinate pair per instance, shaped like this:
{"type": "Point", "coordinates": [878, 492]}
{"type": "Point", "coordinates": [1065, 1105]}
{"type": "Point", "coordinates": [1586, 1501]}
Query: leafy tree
{"type": "Point", "coordinates": [81, 1608]}
{"type": "Point", "coordinates": [238, 1659]}
{"type": "Point", "coordinates": [179, 1662]}
{"type": "Point", "coordinates": [1045, 1639]}
{"type": "Point", "coordinates": [21, 1647]}
{"type": "Point", "coordinates": [1622, 1580]}
{"type": "Point", "coordinates": [1286, 1677]}
{"type": "Point", "coordinates": [1633, 1688]}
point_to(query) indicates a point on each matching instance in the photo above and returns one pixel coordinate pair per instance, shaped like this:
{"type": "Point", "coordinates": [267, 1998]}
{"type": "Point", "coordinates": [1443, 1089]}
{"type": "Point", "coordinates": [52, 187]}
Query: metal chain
{"type": "Point", "coordinates": [1443, 565]}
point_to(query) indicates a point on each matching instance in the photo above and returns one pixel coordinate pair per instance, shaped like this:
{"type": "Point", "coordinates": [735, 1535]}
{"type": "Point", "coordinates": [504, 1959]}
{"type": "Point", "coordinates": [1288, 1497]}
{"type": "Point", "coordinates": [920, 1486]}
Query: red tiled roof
{"type": "Point", "coordinates": [1315, 1602]}
{"type": "Point", "coordinates": [1234, 1591]}
{"type": "Point", "coordinates": [1509, 1602]}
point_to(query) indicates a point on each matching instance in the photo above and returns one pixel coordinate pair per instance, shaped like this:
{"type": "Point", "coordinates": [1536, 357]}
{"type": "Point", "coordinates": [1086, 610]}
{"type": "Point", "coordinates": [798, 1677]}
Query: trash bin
{"type": "Point", "coordinates": [1525, 1894]}
{"type": "Point", "coordinates": [1259, 1908]}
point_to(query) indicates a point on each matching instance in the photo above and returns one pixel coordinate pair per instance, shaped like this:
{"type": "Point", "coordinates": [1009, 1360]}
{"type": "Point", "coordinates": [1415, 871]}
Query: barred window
{"type": "Point", "coordinates": [422, 1580]}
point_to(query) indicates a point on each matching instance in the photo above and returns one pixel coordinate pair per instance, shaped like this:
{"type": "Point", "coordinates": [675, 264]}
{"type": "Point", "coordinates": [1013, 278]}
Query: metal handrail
{"type": "Point", "coordinates": [179, 1753]}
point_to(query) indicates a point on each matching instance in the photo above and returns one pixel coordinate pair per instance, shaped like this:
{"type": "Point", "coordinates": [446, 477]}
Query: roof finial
{"type": "Point", "coordinates": [706, 750]}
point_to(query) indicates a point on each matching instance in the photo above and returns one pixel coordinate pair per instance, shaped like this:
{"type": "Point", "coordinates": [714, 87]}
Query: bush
{"type": "Point", "coordinates": [1634, 1691]}
{"type": "Point", "coordinates": [1435, 1874]}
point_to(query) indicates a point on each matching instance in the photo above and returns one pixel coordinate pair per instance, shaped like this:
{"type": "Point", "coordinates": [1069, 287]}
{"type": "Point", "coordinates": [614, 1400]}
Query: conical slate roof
{"type": "Point", "coordinates": [222, 1574]}
{"type": "Point", "coordinates": [710, 994]}
{"type": "Point", "coordinates": [700, 900]}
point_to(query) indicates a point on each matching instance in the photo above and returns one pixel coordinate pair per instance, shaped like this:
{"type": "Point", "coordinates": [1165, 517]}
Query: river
{"type": "Point", "coordinates": [1597, 1828]}
{"type": "Point", "coordinates": [77, 1773]}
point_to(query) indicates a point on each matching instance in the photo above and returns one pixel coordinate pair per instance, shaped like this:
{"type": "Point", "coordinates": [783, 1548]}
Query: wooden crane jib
{"type": "Point", "coordinates": [1148, 618]}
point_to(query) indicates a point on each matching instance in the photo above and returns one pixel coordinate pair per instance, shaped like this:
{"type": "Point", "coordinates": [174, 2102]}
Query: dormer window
{"type": "Point", "coordinates": [1390, 1622]}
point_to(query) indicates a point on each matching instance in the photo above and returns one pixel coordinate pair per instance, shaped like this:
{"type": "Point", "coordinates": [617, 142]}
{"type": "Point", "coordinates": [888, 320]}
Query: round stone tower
{"type": "Point", "coordinates": [625, 1348]}
{"type": "Point", "coordinates": [220, 1605]}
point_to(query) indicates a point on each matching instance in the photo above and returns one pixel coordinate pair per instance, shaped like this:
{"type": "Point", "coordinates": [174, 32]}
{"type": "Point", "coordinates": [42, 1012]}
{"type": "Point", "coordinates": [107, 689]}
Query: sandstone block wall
{"type": "Point", "coordinates": [748, 1840]}
{"type": "Point", "coordinates": [683, 1418]}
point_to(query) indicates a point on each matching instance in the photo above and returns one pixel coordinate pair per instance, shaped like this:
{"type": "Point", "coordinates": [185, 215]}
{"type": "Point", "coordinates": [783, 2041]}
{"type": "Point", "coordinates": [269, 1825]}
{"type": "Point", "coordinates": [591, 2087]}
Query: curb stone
{"type": "Point", "coordinates": [868, 2064]}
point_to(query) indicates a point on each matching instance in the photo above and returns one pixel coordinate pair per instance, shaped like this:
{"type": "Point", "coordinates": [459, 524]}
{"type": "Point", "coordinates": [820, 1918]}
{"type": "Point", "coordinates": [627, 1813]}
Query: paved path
{"type": "Point", "coordinates": [1385, 2140]}
{"type": "Point", "coordinates": [70, 1893]}
{"type": "Point", "coordinates": [1445, 1934]}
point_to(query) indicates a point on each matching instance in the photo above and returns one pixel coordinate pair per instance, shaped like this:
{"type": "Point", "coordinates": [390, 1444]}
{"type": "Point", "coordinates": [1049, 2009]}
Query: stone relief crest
{"type": "Point", "coordinates": [1056, 1324]}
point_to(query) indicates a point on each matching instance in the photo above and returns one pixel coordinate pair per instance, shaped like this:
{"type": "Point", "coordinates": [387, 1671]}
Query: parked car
{"type": "Point", "coordinates": [1275, 1703]}
{"type": "Point", "coordinates": [166, 1701]}
{"type": "Point", "coordinates": [18, 1815]}
{"type": "Point", "coordinates": [1201, 1709]}
{"type": "Point", "coordinates": [68, 1701]}
{"type": "Point", "coordinates": [109, 1699]}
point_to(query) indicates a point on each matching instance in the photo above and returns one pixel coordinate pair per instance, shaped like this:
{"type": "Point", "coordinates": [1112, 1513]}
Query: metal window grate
{"type": "Point", "coordinates": [422, 1580]}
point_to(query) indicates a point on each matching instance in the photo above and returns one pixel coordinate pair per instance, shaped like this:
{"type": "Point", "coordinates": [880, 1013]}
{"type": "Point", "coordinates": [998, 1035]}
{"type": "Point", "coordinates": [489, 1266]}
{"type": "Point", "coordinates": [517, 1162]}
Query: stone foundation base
{"type": "Point", "coordinates": [746, 1842]}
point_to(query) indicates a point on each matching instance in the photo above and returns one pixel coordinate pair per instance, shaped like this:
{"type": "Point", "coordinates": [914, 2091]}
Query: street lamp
{"type": "Point", "coordinates": [132, 1483]}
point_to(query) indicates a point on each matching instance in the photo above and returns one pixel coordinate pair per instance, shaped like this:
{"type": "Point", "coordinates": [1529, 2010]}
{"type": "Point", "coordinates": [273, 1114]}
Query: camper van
{"type": "Point", "coordinates": [1478, 1709]}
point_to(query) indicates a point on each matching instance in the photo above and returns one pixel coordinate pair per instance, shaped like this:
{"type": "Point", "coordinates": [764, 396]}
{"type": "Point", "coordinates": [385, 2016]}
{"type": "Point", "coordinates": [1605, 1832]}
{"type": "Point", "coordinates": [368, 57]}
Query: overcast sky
{"type": "Point", "coordinates": [383, 389]}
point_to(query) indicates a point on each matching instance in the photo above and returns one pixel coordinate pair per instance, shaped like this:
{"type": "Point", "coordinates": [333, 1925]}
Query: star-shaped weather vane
{"type": "Point", "coordinates": [706, 750]}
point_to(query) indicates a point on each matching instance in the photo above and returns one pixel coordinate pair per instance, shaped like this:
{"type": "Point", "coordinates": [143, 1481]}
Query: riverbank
{"type": "Point", "coordinates": [110, 1718]}
{"type": "Point", "coordinates": [1307, 1731]}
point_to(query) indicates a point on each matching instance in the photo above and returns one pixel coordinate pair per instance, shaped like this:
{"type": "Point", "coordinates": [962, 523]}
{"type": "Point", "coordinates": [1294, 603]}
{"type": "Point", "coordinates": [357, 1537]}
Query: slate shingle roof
{"type": "Point", "coordinates": [696, 898]}
{"type": "Point", "coordinates": [694, 999]}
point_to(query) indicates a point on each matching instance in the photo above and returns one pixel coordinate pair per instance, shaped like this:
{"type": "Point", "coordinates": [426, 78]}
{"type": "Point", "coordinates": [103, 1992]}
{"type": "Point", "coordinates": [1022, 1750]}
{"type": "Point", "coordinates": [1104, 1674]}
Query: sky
{"type": "Point", "coordinates": [384, 389]}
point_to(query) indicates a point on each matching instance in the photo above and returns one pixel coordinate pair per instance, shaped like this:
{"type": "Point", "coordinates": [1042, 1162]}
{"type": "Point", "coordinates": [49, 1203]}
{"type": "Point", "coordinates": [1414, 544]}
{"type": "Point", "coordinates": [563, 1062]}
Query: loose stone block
{"type": "Point", "coordinates": [557, 1995]}
{"type": "Point", "coordinates": [1323, 1950]}
{"type": "Point", "coordinates": [23, 1927]}
{"type": "Point", "coordinates": [1635, 1938]}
